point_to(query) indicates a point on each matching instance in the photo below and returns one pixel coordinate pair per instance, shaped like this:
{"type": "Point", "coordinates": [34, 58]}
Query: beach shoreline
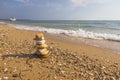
{"type": "Point", "coordinates": [18, 37]}
{"type": "Point", "coordinates": [67, 42]}
{"type": "Point", "coordinates": [109, 44]}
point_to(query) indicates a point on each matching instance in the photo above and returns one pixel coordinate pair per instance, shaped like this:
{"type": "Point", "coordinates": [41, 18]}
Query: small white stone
{"type": "Point", "coordinates": [6, 69]}
{"type": "Point", "coordinates": [112, 78]}
{"type": "Point", "coordinates": [15, 69]}
{"type": "Point", "coordinates": [10, 53]}
{"type": "Point", "coordinates": [40, 41]}
{"type": "Point", "coordinates": [5, 78]}
{"type": "Point", "coordinates": [55, 77]}
{"type": "Point", "coordinates": [103, 67]}
{"type": "Point", "coordinates": [4, 63]}
{"type": "Point", "coordinates": [62, 72]}
{"type": "Point", "coordinates": [59, 64]}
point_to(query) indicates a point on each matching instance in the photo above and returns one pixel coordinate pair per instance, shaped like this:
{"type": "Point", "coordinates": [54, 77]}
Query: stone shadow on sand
{"type": "Point", "coordinates": [21, 56]}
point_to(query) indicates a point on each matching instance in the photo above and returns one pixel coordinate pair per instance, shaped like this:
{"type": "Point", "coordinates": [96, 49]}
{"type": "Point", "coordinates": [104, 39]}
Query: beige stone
{"type": "Point", "coordinates": [42, 46]}
{"type": "Point", "coordinates": [46, 55]}
{"type": "Point", "coordinates": [39, 36]}
{"type": "Point", "coordinates": [43, 53]}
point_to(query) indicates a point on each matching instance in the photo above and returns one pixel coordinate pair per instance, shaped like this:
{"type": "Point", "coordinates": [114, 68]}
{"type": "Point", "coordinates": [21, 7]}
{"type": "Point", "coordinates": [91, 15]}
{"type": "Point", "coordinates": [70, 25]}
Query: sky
{"type": "Point", "coordinates": [60, 9]}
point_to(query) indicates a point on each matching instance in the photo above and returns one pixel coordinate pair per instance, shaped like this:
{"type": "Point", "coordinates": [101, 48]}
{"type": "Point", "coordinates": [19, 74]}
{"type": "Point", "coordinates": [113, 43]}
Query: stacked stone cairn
{"type": "Point", "coordinates": [41, 46]}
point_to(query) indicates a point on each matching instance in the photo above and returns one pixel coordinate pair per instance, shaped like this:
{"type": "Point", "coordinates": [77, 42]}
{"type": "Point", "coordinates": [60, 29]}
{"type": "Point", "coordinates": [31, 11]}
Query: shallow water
{"type": "Point", "coordinates": [109, 30]}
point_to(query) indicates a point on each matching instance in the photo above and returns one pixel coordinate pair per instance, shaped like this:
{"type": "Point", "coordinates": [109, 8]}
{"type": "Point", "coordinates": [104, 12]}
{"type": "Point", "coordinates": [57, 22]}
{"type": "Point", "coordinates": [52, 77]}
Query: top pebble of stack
{"type": "Point", "coordinates": [39, 36]}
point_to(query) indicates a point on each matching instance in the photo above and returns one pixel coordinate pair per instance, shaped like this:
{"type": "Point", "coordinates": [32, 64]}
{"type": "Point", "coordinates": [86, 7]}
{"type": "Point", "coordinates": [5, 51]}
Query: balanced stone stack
{"type": "Point", "coordinates": [41, 46]}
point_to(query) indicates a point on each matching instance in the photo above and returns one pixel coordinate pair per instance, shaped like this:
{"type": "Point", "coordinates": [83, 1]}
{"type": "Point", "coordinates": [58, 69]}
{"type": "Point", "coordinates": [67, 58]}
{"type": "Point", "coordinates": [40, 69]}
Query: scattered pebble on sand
{"type": "Point", "coordinates": [19, 63]}
{"type": "Point", "coordinates": [5, 78]}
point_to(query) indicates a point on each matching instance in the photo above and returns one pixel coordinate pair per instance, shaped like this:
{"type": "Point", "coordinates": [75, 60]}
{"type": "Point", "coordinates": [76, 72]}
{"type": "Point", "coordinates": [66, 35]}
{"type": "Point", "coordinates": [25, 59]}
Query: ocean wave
{"type": "Point", "coordinates": [75, 33]}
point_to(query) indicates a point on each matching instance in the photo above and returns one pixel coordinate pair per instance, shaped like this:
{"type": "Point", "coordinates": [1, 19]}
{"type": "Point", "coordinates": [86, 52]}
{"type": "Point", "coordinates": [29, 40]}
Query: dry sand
{"type": "Point", "coordinates": [69, 60]}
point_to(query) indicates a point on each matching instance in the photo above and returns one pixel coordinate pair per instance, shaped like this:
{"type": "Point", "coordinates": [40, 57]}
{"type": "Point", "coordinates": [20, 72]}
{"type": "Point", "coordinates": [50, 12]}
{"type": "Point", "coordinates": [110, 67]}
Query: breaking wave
{"type": "Point", "coordinates": [75, 33]}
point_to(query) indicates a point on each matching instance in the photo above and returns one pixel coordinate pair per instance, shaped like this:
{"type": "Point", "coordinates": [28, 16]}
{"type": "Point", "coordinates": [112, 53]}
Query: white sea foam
{"type": "Point", "coordinates": [75, 33]}
{"type": "Point", "coordinates": [2, 22]}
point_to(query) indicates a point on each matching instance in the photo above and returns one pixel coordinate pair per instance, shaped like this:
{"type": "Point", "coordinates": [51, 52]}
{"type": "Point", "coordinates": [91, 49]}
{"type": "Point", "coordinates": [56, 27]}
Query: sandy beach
{"type": "Point", "coordinates": [69, 59]}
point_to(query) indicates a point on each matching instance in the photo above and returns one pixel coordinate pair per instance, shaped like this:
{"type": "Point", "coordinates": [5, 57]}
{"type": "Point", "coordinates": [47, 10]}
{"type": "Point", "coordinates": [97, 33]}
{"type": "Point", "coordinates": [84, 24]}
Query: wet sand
{"type": "Point", "coordinates": [69, 59]}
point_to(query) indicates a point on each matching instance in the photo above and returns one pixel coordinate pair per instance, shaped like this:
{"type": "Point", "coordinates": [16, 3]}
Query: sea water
{"type": "Point", "coordinates": [90, 29]}
{"type": "Point", "coordinates": [94, 29]}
